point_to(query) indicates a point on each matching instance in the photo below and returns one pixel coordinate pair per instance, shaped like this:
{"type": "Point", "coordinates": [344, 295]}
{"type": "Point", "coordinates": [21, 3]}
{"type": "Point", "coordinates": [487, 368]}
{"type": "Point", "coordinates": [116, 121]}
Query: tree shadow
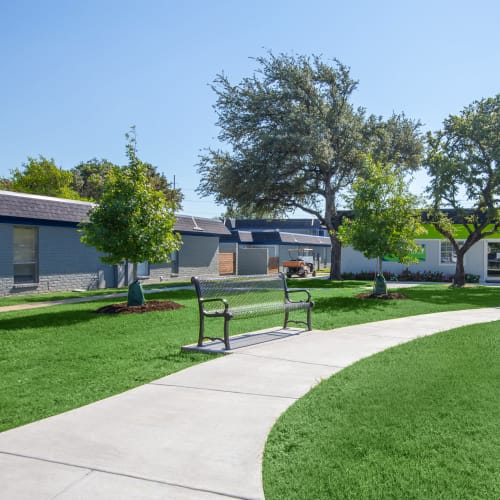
{"type": "Point", "coordinates": [47, 319]}
{"type": "Point", "coordinates": [349, 304]}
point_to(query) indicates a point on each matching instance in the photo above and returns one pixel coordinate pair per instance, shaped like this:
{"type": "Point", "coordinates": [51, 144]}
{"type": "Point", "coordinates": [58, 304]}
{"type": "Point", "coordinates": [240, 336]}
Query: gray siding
{"type": "Point", "coordinates": [6, 259]}
{"type": "Point", "coordinates": [199, 255]}
{"type": "Point", "coordinates": [253, 260]}
{"type": "Point", "coordinates": [64, 263]}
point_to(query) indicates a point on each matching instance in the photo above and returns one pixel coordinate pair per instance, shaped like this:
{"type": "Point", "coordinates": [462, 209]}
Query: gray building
{"type": "Point", "coordinates": [41, 251]}
{"type": "Point", "coordinates": [261, 246]}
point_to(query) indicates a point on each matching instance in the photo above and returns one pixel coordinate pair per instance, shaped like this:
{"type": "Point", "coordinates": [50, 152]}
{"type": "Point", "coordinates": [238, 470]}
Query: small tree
{"type": "Point", "coordinates": [132, 221]}
{"type": "Point", "coordinates": [384, 218]}
{"type": "Point", "coordinates": [42, 176]}
{"type": "Point", "coordinates": [463, 164]}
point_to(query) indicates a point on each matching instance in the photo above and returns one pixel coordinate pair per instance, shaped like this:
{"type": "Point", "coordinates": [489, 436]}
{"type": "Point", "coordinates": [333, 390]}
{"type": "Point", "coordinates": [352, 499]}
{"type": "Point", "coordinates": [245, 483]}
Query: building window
{"type": "Point", "coordinates": [143, 269]}
{"type": "Point", "coordinates": [448, 254]}
{"type": "Point", "coordinates": [25, 255]}
{"type": "Point", "coordinates": [174, 262]}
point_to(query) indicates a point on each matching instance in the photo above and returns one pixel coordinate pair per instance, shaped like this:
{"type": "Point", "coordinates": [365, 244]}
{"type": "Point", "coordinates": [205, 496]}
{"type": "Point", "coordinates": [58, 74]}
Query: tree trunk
{"type": "Point", "coordinates": [459, 278]}
{"type": "Point", "coordinates": [335, 273]}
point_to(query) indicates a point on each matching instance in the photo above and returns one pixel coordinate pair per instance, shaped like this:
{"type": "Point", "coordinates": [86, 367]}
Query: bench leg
{"type": "Point", "coordinates": [286, 318]}
{"type": "Point", "coordinates": [202, 330]}
{"type": "Point", "coordinates": [226, 332]}
{"type": "Point", "coordinates": [309, 318]}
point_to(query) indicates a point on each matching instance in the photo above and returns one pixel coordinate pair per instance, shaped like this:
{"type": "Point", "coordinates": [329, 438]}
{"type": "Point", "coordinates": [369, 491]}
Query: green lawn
{"type": "Point", "coordinates": [419, 421]}
{"type": "Point", "coordinates": [61, 357]}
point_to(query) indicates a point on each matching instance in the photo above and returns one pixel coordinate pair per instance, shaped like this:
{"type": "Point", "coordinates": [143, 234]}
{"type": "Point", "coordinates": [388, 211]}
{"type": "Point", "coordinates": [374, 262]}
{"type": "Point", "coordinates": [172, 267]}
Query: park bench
{"type": "Point", "coordinates": [232, 297]}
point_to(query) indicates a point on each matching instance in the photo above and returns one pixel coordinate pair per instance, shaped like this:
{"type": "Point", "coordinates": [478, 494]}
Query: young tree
{"type": "Point", "coordinates": [463, 164]}
{"type": "Point", "coordinates": [297, 141]}
{"type": "Point", "coordinates": [42, 176]}
{"type": "Point", "coordinates": [133, 221]}
{"type": "Point", "coordinates": [385, 220]}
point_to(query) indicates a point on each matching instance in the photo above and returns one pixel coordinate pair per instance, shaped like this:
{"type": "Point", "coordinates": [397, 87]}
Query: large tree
{"type": "Point", "coordinates": [90, 176]}
{"type": "Point", "coordinates": [296, 141]}
{"type": "Point", "coordinates": [133, 221]}
{"type": "Point", "coordinates": [384, 220]}
{"type": "Point", "coordinates": [42, 176]}
{"type": "Point", "coordinates": [463, 164]}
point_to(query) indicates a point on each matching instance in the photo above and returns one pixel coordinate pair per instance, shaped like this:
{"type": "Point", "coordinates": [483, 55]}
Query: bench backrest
{"type": "Point", "coordinates": [241, 290]}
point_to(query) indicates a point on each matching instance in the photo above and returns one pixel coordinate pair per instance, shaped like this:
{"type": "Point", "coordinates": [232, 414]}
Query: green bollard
{"type": "Point", "coordinates": [135, 294]}
{"type": "Point", "coordinates": [380, 286]}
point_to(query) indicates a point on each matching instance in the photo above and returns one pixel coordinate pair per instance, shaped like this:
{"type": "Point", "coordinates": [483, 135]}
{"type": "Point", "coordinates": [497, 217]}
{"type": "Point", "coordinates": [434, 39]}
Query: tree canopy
{"type": "Point", "coordinates": [89, 178]}
{"type": "Point", "coordinates": [385, 220]}
{"type": "Point", "coordinates": [42, 176]}
{"type": "Point", "coordinates": [463, 164]}
{"type": "Point", "coordinates": [133, 221]}
{"type": "Point", "coordinates": [296, 141]}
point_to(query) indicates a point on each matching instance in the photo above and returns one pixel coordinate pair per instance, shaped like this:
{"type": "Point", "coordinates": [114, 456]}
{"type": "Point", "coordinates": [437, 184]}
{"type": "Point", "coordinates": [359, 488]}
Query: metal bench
{"type": "Point", "coordinates": [246, 296]}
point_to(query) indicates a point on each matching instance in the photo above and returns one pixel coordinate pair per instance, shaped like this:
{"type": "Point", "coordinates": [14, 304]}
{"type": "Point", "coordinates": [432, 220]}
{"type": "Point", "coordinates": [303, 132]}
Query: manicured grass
{"type": "Point", "coordinates": [419, 421]}
{"type": "Point", "coordinates": [61, 357]}
{"type": "Point", "coordinates": [336, 307]}
{"type": "Point", "coordinates": [57, 358]}
{"type": "Point", "coordinates": [44, 297]}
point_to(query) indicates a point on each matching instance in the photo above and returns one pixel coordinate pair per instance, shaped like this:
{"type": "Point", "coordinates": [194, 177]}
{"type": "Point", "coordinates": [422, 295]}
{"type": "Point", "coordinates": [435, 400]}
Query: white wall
{"type": "Point", "coordinates": [475, 261]}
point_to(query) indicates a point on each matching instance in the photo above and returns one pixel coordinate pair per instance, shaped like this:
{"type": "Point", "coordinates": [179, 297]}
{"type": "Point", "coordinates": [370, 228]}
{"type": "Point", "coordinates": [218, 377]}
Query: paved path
{"type": "Point", "coordinates": [92, 298]}
{"type": "Point", "coordinates": [196, 434]}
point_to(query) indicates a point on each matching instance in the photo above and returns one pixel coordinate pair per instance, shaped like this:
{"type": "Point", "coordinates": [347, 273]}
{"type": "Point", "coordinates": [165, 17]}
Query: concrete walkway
{"type": "Point", "coordinates": [91, 298]}
{"type": "Point", "coordinates": [199, 433]}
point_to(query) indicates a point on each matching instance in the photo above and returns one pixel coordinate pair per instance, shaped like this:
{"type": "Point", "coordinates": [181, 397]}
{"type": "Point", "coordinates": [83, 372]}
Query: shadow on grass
{"type": "Point", "coordinates": [349, 304]}
{"type": "Point", "coordinates": [47, 319]}
{"type": "Point", "coordinates": [325, 283]}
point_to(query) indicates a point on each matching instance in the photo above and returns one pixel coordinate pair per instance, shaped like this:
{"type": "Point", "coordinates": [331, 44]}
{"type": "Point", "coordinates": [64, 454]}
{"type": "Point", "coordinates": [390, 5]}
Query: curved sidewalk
{"type": "Point", "coordinates": [199, 433]}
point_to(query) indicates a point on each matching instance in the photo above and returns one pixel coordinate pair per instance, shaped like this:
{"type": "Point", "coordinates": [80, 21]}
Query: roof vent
{"type": "Point", "coordinates": [195, 225]}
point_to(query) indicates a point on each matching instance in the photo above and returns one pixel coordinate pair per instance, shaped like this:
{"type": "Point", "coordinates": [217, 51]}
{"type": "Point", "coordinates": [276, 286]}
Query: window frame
{"type": "Point", "coordinates": [17, 278]}
{"type": "Point", "coordinates": [452, 252]}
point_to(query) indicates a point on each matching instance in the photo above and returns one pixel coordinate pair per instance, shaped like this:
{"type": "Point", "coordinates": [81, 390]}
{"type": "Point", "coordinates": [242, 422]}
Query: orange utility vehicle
{"type": "Point", "coordinates": [301, 263]}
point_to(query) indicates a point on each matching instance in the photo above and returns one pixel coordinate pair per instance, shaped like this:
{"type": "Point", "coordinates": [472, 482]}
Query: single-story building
{"type": "Point", "coordinates": [436, 254]}
{"type": "Point", "coordinates": [41, 249]}
{"type": "Point", "coordinates": [261, 246]}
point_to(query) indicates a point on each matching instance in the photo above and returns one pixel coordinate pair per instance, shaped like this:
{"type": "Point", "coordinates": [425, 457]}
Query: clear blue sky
{"type": "Point", "coordinates": [75, 75]}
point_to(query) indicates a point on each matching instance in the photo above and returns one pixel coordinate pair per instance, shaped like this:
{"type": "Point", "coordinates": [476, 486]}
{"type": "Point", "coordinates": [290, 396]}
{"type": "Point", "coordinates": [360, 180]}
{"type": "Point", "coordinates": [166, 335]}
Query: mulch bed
{"type": "Point", "coordinates": [384, 296]}
{"type": "Point", "coordinates": [150, 305]}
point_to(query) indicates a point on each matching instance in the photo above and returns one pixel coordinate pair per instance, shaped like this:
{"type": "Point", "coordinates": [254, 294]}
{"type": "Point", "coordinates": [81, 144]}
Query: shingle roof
{"type": "Point", "coordinates": [34, 208]}
{"type": "Point", "coordinates": [200, 225]}
{"type": "Point", "coordinates": [278, 237]}
{"type": "Point", "coordinates": [251, 224]}
{"type": "Point", "coordinates": [31, 206]}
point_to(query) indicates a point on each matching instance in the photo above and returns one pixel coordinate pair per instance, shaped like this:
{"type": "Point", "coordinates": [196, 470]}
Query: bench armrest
{"type": "Point", "coordinates": [216, 299]}
{"type": "Point", "coordinates": [288, 291]}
